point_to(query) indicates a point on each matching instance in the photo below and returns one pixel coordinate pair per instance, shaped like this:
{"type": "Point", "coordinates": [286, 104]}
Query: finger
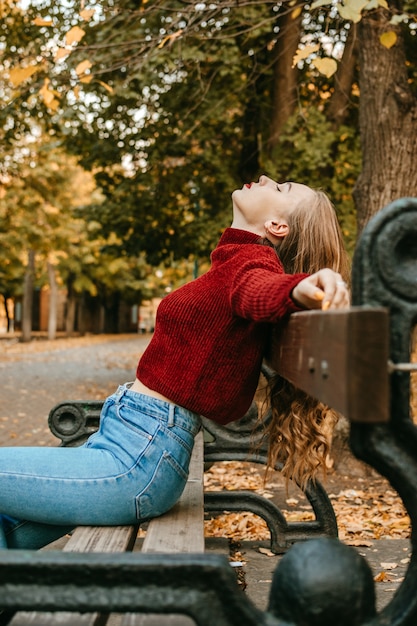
{"type": "Point", "coordinates": [340, 298]}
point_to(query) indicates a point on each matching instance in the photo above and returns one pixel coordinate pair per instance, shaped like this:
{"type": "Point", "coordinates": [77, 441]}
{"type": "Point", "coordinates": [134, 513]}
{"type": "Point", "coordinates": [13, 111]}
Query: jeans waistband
{"type": "Point", "coordinates": [166, 411]}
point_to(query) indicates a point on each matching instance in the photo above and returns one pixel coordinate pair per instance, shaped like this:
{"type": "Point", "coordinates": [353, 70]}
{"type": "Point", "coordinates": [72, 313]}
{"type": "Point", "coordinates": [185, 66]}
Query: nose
{"type": "Point", "coordinates": [264, 180]}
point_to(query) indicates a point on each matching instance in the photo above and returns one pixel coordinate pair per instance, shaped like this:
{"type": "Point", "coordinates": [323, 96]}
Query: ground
{"type": "Point", "coordinates": [36, 376]}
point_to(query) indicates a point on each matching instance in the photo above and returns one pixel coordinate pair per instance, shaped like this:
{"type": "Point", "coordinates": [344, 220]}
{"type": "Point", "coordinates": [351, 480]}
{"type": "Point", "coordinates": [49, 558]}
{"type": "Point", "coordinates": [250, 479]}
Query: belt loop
{"type": "Point", "coordinates": [171, 415]}
{"type": "Point", "coordinates": [119, 394]}
{"type": "Point", "coordinates": [121, 390]}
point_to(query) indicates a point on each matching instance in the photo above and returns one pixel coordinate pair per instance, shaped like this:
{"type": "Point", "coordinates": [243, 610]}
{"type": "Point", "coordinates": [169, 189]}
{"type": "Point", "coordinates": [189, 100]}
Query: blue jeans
{"type": "Point", "coordinates": [133, 468]}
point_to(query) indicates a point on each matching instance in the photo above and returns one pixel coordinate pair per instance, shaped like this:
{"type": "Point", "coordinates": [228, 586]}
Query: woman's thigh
{"type": "Point", "coordinates": [134, 468]}
{"type": "Point", "coordinates": [63, 485]}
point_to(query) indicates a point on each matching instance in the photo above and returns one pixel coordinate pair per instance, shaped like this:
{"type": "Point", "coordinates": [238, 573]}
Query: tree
{"type": "Point", "coordinates": [388, 114]}
{"type": "Point", "coordinates": [37, 222]}
{"type": "Point", "coordinates": [192, 113]}
{"type": "Point", "coordinates": [168, 87]}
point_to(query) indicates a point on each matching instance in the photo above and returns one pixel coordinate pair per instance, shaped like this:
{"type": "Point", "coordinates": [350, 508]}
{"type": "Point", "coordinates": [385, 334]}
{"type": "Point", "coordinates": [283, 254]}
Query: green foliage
{"type": "Point", "coordinates": [312, 152]}
{"type": "Point", "coordinates": [173, 114]}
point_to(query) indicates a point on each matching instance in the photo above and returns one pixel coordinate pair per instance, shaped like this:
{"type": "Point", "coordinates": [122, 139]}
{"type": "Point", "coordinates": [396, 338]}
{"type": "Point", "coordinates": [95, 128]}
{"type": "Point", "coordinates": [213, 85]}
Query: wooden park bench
{"type": "Point", "coordinates": [357, 361]}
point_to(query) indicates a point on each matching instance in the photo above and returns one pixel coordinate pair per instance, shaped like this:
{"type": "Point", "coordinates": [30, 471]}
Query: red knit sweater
{"type": "Point", "coordinates": [210, 334]}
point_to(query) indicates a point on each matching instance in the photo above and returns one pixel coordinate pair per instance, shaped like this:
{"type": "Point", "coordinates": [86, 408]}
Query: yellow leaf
{"type": "Point", "coordinates": [74, 35]}
{"type": "Point", "coordinates": [87, 14]}
{"type": "Point", "coordinates": [352, 9]}
{"type": "Point", "coordinates": [61, 53]}
{"type": "Point", "coordinates": [40, 21]}
{"type": "Point", "coordinates": [106, 86]}
{"type": "Point", "coordinates": [326, 66]}
{"type": "Point", "coordinates": [171, 38]}
{"type": "Point", "coordinates": [18, 75]}
{"type": "Point", "coordinates": [303, 53]}
{"type": "Point", "coordinates": [86, 79]}
{"type": "Point", "coordinates": [388, 39]}
{"type": "Point", "coordinates": [54, 104]}
{"type": "Point", "coordinates": [76, 92]}
{"type": "Point", "coordinates": [397, 19]}
{"type": "Point", "coordinates": [48, 95]}
{"type": "Point", "coordinates": [320, 3]}
{"type": "Point", "coordinates": [295, 13]}
{"type": "Point", "coordinates": [83, 67]}
{"type": "Point", "coordinates": [373, 4]}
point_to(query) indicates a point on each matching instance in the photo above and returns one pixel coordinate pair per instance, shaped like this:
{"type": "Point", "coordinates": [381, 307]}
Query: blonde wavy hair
{"type": "Point", "coordinates": [300, 429]}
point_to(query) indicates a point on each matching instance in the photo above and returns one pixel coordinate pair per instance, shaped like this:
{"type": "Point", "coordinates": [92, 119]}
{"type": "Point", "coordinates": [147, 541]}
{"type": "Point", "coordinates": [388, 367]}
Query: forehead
{"type": "Point", "coordinates": [302, 191]}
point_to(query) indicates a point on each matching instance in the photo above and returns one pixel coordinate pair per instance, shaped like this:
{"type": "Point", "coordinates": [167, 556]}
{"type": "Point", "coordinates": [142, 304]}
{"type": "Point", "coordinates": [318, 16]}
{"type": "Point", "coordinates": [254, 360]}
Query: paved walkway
{"type": "Point", "coordinates": [36, 376]}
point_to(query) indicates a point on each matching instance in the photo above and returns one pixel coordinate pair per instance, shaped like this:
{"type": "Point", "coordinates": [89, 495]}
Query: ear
{"type": "Point", "coordinates": [278, 229]}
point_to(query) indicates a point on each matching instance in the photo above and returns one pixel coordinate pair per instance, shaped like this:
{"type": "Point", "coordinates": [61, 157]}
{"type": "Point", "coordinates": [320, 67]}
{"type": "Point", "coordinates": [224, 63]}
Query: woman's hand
{"type": "Point", "coordinates": [324, 290]}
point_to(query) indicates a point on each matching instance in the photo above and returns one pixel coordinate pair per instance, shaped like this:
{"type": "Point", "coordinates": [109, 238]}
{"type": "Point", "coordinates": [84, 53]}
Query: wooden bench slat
{"type": "Point", "coordinates": [340, 357]}
{"type": "Point", "coordinates": [102, 539]}
{"type": "Point", "coordinates": [182, 528]}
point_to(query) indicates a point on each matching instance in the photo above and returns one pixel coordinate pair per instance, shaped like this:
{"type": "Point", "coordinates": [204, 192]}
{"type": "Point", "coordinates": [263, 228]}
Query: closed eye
{"type": "Point", "coordinates": [287, 187]}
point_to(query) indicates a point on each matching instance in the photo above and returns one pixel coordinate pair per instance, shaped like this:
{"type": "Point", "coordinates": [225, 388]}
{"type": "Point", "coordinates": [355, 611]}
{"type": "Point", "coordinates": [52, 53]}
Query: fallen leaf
{"type": "Point", "coordinates": [359, 543]}
{"type": "Point", "coordinates": [266, 552]}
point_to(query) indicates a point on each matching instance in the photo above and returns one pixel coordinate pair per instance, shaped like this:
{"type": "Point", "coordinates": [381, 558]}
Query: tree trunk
{"type": "Point", "coordinates": [388, 120]}
{"type": "Point", "coordinates": [339, 104]}
{"type": "Point", "coordinates": [285, 75]}
{"type": "Point", "coordinates": [53, 302]}
{"type": "Point", "coordinates": [71, 309]}
{"type": "Point", "coordinates": [7, 312]}
{"type": "Point", "coordinates": [28, 297]}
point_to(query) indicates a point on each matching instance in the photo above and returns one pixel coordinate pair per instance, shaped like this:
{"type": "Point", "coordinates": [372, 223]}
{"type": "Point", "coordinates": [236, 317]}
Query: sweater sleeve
{"type": "Point", "coordinates": [261, 291]}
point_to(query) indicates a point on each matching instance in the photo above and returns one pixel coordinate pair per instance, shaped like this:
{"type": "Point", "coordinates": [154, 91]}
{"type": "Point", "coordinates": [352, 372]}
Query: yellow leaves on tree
{"type": "Point", "coordinates": [295, 13]}
{"type": "Point", "coordinates": [18, 75]}
{"type": "Point", "coordinates": [304, 53]}
{"type": "Point", "coordinates": [74, 35]}
{"type": "Point", "coordinates": [351, 10]}
{"type": "Point", "coordinates": [49, 96]}
{"type": "Point", "coordinates": [326, 66]}
{"type": "Point", "coordinates": [61, 53]}
{"type": "Point", "coordinates": [87, 14]}
{"type": "Point", "coordinates": [40, 21]}
{"type": "Point", "coordinates": [170, 38]}
{"type": "Point", "coordinates": [388, 39]}
{"type": "Point", "coordinates": [81, 70]}
{"type": "Point", "coordinates": [106, 86]}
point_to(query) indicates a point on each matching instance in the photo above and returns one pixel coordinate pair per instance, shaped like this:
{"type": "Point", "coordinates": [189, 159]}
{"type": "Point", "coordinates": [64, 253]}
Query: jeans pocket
{"type": "Point", "coordinates": [163, 490]}
{"type": "Point", "coordinates": [137, 421]}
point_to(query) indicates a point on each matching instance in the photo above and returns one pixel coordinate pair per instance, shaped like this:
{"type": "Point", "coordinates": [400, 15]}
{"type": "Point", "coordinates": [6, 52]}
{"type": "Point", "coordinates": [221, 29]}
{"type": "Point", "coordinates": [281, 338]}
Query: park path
{"type": "Point", "coordinates": [37, 375]}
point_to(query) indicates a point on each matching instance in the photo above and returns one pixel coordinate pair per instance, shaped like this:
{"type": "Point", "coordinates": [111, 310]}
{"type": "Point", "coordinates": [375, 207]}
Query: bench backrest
{"type": "Point", "coordinates": [339, 357]}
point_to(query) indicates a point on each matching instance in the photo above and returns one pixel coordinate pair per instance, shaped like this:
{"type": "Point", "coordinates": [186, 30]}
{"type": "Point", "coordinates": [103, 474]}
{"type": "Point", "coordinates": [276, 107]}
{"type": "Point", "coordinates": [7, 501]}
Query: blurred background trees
{"type": "Point", "coordinates": [163, 108]}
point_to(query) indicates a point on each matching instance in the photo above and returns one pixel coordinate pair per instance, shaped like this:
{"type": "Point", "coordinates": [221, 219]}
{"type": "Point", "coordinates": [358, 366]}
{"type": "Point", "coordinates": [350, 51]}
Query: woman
{"type": "Point", "coordinates": [204, 359]}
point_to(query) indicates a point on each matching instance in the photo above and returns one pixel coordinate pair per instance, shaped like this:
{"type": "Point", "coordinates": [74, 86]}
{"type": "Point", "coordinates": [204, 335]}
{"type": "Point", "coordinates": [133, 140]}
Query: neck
{"type": "Point", "coordinates": [241, 224]}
